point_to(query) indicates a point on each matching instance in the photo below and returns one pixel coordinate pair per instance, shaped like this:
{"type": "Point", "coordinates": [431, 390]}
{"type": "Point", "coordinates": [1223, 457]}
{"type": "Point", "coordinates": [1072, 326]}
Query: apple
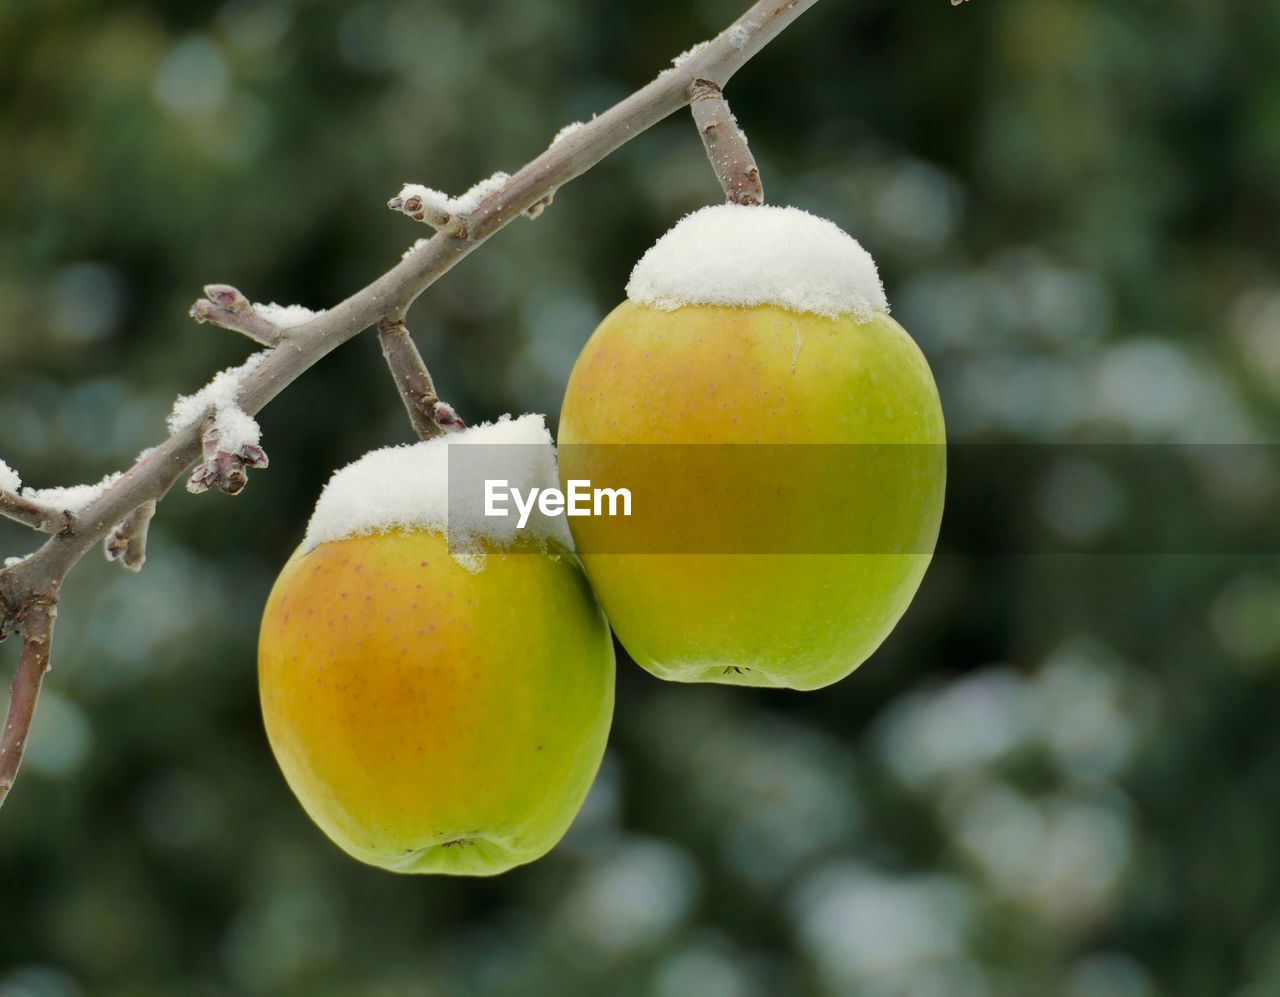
{"type": "Point", "coordinates": [776, 563]}
{"type": "Point", "coordinates": [429, 717]}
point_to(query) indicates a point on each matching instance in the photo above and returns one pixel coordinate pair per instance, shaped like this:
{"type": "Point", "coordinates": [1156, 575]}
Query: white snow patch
{"type": "Point", "coordinates": [9, 479]}
{"type": "Point", "coordinates": [235, 427]}
{"type": "Point", "coordinates": [418, 244]}
{"type": "Point", "coordinates": [738, 35]}
{"type": "Point", "coordinates": [689, 53]}
{"type": "Point", "coordinates": [72, 498]}
{"type": "Point", "coordinates": [466, 203]}
{"type": "Point", "coordinates": [408, 487]}
{"type": "Point", "coordinates": [463, 204]}
{"type": "Point", "coordinates": [10, 562]}
{"type": "Point", "coordinates": [435, 199]}
{"type": "Point", "coordinates": [285, 316]}
{"type": "Point", "coordinates": [568, 130]}
{"type": "Point", "coordinates": [739, 256]}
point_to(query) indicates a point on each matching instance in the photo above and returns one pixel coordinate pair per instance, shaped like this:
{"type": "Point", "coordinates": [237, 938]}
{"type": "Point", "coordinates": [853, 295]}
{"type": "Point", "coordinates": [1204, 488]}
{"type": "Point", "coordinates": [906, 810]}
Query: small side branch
{"type": "Point", "coordinates": [429, 207]}
{"type": "Point", "coordinates": [227, 308]}
{"type": "Point", "coordinates": [37, 515]}
{"type": "Point", "coordinates": [536, 209]}
{"type": "Point", "coordinates": [127, 543]}
{"type": "Point", "coordinates": [725, 144]}
{"type": "Point", "coordinates": [226, 469]}
{"type": "Point", "coordinates": [25, 691]}
{"type": "Point", "coordinates": [428, 414]}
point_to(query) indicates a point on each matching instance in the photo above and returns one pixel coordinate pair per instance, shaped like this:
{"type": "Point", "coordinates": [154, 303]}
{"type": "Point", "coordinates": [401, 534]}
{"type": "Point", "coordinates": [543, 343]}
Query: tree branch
{"type": "Point", "coordinates": [227, 308]}
{"type": "Point", "coordinates": [32, 664]}
{"type": "Point", "coordinates": [35, 580]}
{"type": "Point", "coordinates": [429, 207]}
{"type": "Point", "coordinates": [222, 468]}
{"type": "Point", "coordinates": [725, 144]}
{"type": "Point", "coordinates": [37, 515]}
{"type": "Point", "coordinates": [427, 413]}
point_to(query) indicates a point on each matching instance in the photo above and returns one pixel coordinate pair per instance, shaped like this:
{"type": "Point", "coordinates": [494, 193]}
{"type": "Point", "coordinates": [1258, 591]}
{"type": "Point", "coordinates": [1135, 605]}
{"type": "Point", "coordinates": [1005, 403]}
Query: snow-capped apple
{"type": "Point", "coordinates": [783, 441]}
{"type": "Point", "coordinates": [437, 692]}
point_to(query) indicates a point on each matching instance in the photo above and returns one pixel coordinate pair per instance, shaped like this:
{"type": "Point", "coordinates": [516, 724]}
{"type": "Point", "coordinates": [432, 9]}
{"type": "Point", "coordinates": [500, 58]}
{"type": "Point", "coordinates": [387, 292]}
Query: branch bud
{"type": "Point", "coordinates": [537, 207]}
{"type": "Point", "coordinates": [422, 207]}
{"type": "Point", "coordinates": [127, 543]}
{"type": "Point", "coordinates": [224, 470]}
{"type": "Point", "coordinates": [227, 308]}
{"type": "Point", "coordinates": [447, 417]}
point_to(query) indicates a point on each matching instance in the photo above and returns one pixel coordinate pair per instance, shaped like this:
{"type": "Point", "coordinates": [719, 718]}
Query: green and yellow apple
{"type": "Point", "coordinates": [785, 536]}
{"type": "Point", "coordinates": [431, 718]}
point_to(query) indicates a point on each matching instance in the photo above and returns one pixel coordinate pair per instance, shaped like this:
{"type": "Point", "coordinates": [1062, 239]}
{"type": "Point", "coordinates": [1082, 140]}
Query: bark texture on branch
{"type": "Point", "coordinates": [222, 468]}
{"type": "Point", "coordinates": [423, 210]}
{"type": "Point", "coordinates": [127, 543]}
{"type": "Point", "coordinates": [37, 625]}
{"type": "Point", "coordinates": [29, 588]}
{"type": "Point", "coordinates": [227, 308]}
{"type": "Point", "coordinates": [725, 144]}
{"type": "Point", "coordinates": [413, 381]}
{"type": "Point", "coordinates": [37, 515]}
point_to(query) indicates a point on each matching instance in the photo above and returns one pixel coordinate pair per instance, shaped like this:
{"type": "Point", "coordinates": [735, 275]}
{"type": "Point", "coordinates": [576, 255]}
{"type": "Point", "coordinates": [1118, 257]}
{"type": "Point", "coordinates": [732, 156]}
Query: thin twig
{"type": "Point", "coordinates": [127, 543]}
{"type": "Point", "coordinates": [25, 691]}
{"type": "Point", "coordinates": [226, 470]}
{"type": "Point", "coordinates": [422, 209]}
{"type": "Point", "coordinates": [37, 515]}
{"type": "Point", "coordinates": [227, 308]}
{"type": "Point", "coordinates": [413, 381]}
{"type": "Point", "coordinates": [725, 144]}
{"type": "Point", "coordinates": [536, 209]}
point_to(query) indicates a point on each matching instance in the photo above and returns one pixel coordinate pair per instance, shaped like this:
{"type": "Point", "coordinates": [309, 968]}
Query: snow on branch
{"type": "Point", "coordinates": [47, 510]}
{"type": "Point", "coordinates": [228, 454]}
{"type": "Point", "coordinates": [36, 515]}
{"type": "Point", "coordinates": [21, 509]}
{"type": "Point", "coordinates": [229, 437]}
{"type": "Point", "coordinates": [445, 214]}
{"type": "Point", "coordinates": [227, 308]}
{"type": "Point", "coordinates": [70, 500]}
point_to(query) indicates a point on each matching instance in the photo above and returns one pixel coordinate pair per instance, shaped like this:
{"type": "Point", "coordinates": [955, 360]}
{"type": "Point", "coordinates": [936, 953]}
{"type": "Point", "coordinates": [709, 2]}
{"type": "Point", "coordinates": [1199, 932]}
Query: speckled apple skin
{"type": "Point", "coordinates": [432, 720]}
{"type": "Point", "coordinates": [809, 585]}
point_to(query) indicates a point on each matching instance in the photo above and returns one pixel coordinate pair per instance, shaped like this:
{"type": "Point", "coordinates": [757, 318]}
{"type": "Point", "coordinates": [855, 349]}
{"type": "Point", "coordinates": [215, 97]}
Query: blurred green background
{"type": "Point", "coordinates": [1060, 775]}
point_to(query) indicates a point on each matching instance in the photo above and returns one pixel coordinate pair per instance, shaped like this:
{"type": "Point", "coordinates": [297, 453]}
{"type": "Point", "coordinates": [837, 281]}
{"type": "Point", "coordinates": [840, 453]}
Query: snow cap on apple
{"type": "Point", "coordinates": [740, 256]}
